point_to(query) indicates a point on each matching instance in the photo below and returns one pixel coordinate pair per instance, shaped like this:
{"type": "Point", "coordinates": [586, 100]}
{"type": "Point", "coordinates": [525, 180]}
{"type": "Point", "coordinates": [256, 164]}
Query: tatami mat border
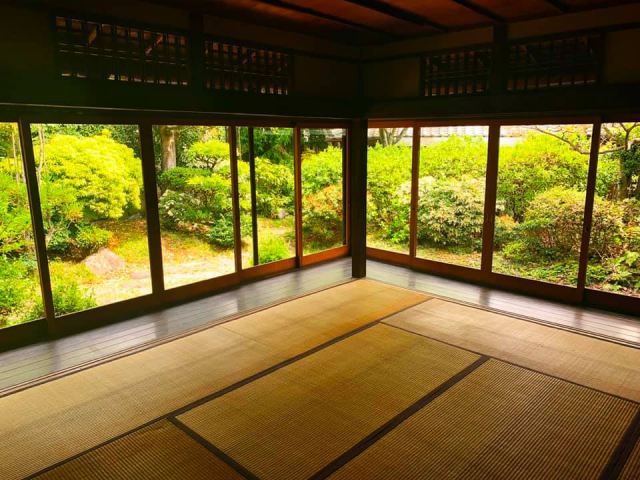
{"type": "Point", "coordinates": [372, 438]}
{"type": "Point", "coordinates": [170, 415]}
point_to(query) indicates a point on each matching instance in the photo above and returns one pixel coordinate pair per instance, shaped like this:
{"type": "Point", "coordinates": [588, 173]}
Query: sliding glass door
{"type": "Point", "coordinates": [542, 182]}
{"type": "Point", "coordinates": [389, 161]}
{"type": "Point", "coordinates": [614, 248]}
{"type": "Point", "coordinates": [323, 167]}
{"type": "Point", "coordinates": [451, 191]}
{"type": "Point", "coordinates": [91, 192]}
{"type": "Point", "coordinates": [20, 295]}
{"type": "Point", "coordinates": [195, 207]}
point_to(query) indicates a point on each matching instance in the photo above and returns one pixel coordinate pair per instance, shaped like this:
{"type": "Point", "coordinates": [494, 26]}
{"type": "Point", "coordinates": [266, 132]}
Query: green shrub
{"type": "Point", "coordinates": [59, 241]}
{"type": "Point", "coordinates": [176, 179]}
{"type": "Point", "coordinates": [104, 175]}
{"type": "Point", "coordinates": [538, 163]}
{"type": "Point", "coordinates": [322, 216]}
{"type": "Point", "coordinates": [272, 248]}
{"type": "Point", "coordinates": [554, 221]}
{"type": "Point", "coordinates": [456, 157]}
{"type": "Point", "coordinates": [505, 231]}
{"type": "Point", "coordinates": [68, 297]}
{"type": "Point", "coordinates": [15, 219]}
{"type": "Point", "coordinates": [207, 154]}
{"type": "Point", "coordinates": [16, 284]}
{"type": "Point", "coordinates": [389, 191]}
{"type": "Point", "coordinates": [274, 188]}
{"type": "Point", "coordinates": [221, 233]}
{"type": "Point", "coordinates": [450, 212]}
{"type": "Point", "coordinates": [90, 238]}
{"type": "Point", "coordinates": [320, 170]}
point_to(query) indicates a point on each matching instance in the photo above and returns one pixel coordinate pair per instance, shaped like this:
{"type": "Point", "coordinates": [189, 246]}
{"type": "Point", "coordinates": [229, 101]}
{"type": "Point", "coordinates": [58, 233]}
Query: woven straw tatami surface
{"type": "Point", "coordinates": [588, 361]}
{"type": "Point", "coordinates": [293, 422]}
{"type": "Point", "coordinates": [56, 420]}
{"type": "Point", "coordinates": [501, 422]}
{"type": "Point", "coordinates": [159, 451]}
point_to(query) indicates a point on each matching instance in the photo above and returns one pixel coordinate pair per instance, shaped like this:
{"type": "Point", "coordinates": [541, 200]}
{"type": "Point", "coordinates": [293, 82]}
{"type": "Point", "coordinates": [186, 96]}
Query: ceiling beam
{"type": "Point", "coordinates": [484, 11]}
{"type": "Point", "coordinates": [559, 5]}
{"type": "Point", "coordinates": [327, 16]}
{"type": "Point", "coordinates": [399, 13]}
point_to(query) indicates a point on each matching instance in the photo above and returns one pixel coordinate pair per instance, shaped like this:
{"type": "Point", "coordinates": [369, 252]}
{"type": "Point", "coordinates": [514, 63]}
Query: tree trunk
{"type": "Point", "coordinates": [168, 143]}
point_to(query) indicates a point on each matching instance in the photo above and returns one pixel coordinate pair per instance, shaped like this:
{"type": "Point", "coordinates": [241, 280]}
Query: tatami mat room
{"type": "Point", "coordinates": [302, 239]}
{"type": "Point", "coordinates": [359, 380]}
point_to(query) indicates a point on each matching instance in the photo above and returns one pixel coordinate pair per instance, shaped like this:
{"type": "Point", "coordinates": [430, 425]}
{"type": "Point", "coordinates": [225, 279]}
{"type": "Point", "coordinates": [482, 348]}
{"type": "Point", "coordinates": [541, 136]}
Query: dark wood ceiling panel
{"type": "Point", "coordinates": [586, 4]}
{"type": "Point", "coordinates": [362, 22]}
{"type": "Point", "coordinates": [276, 15]}
{"type": "Point", "coordinates": [367, 16]}
{"type": "Point", "coordinates": [446, 12]}
{"type": "Point", "coordinates": [517, 9]}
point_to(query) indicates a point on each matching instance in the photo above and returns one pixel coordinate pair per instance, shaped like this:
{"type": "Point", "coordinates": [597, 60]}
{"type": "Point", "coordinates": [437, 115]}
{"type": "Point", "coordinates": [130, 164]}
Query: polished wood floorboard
{"type": "Point", "coordinates": [27, 363]}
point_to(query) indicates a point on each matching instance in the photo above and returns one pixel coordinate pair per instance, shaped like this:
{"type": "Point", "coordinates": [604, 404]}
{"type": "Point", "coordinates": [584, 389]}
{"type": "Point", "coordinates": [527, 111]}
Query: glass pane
{"type": "Point", "coordinates": [542, 176]}
{"type": "Point", "coordinates": [453, 165]}
{"type": "Point", "coordinates": [389, 188]}
{"type": "Point", "coordinates": [323, 224]}
{"type": "Point", "coordinates": [614, 250]}
{"type": "Point", "coordinates": [90, 179]}
{"type": "Point", "coordinates": [194, 202]}
{"type": "Point", "coordinates": [275, 194]}
{"type": "Point", "coordinates": [20, 297]}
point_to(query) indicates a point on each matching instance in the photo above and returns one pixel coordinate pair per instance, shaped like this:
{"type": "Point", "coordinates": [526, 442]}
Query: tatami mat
{"type": "Point", "coordinates": [293, 422]}
{"type": "Point", "coordinates": [632, 468]}
{"type": "Point", "coordinates": [160, 451]}
{"type": "Point", "coordinates": [56, 420]}
{"type": "Point", "coordinates": [501, 422]}
{"type": "Point", "coordinates": [589, 361]}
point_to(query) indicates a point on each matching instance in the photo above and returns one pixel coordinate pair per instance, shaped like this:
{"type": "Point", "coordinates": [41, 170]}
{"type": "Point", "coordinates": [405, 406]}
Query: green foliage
{"type": "Point", "coordinates": [176, 179]}
{"type": "Point", "coordinates": [15, 219]}
{"type": "Point", "coordinates": [90, 238]}
{"type": "Point", "coordinates": [450, 212]}
{"type": "Point", "coordinates": [274, 188]}
{"type": "Point", "coordinates": [104, 175]}
{"type": "Point", "coordinates": [389, 192]}
{"type": "Point", "coordinates": [69, 297]}
{"type": "Point", "coordinates": [537, 164]}
{"type": "Point", "coordinates": [553, 225]}
{"type": "Point", "coordinates": [221, 233]}
{"type": "Point", "coordinates": [322, 216]}
{"type": "Point", "coordinates": [272, 143]}
{"type": "Point", "coordinates": [207, 154]}
{"type": "Point", "coordinates": [320, 170]}
{"type": "Point", "coordinates": [272, 248]}
{"type": "Point", "coordinates": [16, 285]}
{"type": "Point", "coordinates": [455, 157]}
{"type": "Point", "coordinates": [198, 201]}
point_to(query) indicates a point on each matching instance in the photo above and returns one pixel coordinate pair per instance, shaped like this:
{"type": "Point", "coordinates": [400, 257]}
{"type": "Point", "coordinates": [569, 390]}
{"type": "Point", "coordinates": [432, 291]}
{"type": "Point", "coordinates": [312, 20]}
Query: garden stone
{"type": "Point", "coordinates": [104, 261]}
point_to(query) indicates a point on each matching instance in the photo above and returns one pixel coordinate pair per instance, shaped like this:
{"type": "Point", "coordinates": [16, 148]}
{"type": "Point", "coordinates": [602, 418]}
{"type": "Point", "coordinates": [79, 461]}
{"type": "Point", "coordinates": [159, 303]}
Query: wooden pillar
{"type": "Point", "coordinates": [297, 177]}
{"type": "Point", "coordinates": [358, 196]}
{"type": "Point", "coordinates": [588, 208]}
{"type": "Point", "coordinates": [232, 136]}
{"type": "Point", "coordinates": [29, 165]}
{"type": "Point", "coordinates": [151, 207]}
{"type": "Point", "coordinates": [490, 192]}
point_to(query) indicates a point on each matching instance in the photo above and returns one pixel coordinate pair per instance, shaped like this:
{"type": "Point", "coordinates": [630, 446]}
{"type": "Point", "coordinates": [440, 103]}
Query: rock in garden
{"type": "Point", "coordinates": [104, 261]}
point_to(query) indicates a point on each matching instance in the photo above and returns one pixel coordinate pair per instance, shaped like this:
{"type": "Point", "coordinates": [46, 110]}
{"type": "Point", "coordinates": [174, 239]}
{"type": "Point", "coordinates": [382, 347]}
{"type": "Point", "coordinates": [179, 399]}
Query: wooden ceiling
{"type": "Point", "coordinates": [362, 22]}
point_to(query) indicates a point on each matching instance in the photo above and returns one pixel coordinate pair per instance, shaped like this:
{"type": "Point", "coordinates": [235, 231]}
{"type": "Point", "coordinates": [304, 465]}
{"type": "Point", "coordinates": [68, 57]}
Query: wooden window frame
{"type": "Point", "coordinates": [53, 326]}
{"type": "Point", "coordinates": [579, 294]}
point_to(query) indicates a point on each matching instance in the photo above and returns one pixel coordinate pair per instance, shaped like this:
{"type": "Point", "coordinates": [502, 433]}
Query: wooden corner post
{"type": "Point", "coordinates": [358, 196]}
